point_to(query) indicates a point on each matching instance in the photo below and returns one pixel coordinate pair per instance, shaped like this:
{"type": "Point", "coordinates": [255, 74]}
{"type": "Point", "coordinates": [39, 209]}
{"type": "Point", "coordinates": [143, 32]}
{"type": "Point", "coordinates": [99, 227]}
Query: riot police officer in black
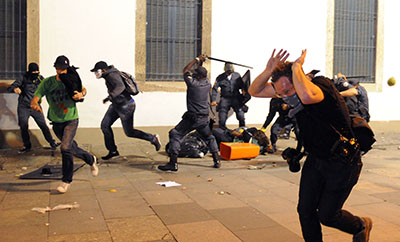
{"type": "Point", "coordinates": [355, 95]}
{"type": "Point", "coordinates": [197, 115]}
{"type": "Point", "coordinates": [232, 92]}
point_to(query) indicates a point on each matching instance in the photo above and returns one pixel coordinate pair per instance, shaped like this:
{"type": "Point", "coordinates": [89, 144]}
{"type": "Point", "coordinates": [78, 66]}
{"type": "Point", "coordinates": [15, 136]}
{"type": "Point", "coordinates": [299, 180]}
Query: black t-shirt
{"type": "Point", "coordinates": [315, 120]}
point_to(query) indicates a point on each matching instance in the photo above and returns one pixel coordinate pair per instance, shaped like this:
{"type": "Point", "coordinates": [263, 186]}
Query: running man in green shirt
{"type": "Point", "coordinates": [63, 114]}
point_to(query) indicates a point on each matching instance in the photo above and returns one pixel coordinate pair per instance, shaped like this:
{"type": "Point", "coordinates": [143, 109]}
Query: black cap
{"type": "Point", "coordinates": [99, 65]}
{"type": "Point", "coordinates": [61, 62]}
{"type": "Point", "coordinates": [33, 67]}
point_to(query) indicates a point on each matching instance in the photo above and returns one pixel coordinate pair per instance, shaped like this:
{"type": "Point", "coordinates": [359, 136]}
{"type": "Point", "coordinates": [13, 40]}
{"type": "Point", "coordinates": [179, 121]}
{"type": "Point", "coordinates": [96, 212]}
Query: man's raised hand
{"type": "Point", "coordinates": [275, 60]}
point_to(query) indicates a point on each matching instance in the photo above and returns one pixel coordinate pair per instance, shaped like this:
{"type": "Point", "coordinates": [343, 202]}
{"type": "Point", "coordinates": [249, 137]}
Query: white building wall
{"type": "Point", "coordinates": [86, 32]}
{"type": "Point", "coordinates": [251, 29]}
{"type": "Point", "coordinates": [242, 31]}
{"type": "Point", "coordinates": [385, 105]}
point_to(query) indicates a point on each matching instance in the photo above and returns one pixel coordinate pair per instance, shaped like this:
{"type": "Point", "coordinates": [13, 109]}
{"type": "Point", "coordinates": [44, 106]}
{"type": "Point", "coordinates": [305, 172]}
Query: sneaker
{"type": "Point", "coordinates": [24, 150]}
{"type": "Point", "coordinates": [63, 187]}
{"type": "Point", "coordinates": [157, 142]}
{"type": "Point", "coordinates": [110, 155]}
{"type": "Point", "coordinates": [284, 136]}
{"type": "Point", "coordinates": [363, 235]}
{"type": "Point", "coordinates": [94, 168]}
{"type": "Point", "coordinates": [169, 167]}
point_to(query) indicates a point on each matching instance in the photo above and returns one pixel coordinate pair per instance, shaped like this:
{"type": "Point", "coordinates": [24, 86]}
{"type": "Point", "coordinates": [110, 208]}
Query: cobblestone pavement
{"type": "Point", "coordinates": [233, 203]}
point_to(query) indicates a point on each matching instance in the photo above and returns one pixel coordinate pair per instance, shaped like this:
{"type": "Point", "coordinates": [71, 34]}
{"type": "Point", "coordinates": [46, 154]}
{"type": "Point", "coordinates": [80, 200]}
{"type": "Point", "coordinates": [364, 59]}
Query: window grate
{"type": "Point", "coordinates": [12, 38]}
{"type": "Point", "coordinates": [355, 38]}
{"type": "Point", "coordinates": [173, 37]}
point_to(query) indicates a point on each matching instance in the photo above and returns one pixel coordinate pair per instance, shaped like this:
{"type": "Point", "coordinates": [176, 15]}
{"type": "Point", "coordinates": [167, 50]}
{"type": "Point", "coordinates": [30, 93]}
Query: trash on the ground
{"type": "Point", "coordinates": [183, 188]}
{"type": "Point", "coordinates": [251, 167]}
{"type": "Point", "coordinates": [58, 207]}
{"type": "Point", "coordinates": [24, 168]}
{"type": "Point", "coordinates": [223, 193]}
{"type": "Point", "coordinates": [47, 224]}
{"type": "Point", "coordinates": [91, 218]}
{"type": "Point", "coordinates": [112, 190]}
{"type": "Point", "coordinates": [41, 210]}
{"type": "Point", "coordinates": [209, 179]}
{"type": "Point", "coordinates": [168, 184]}
{"type": "Point", "coordinates": [398, 148]}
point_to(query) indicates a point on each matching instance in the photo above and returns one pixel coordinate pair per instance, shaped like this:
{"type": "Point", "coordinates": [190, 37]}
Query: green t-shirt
{"type": "Point", "coordinates": [61, 106]}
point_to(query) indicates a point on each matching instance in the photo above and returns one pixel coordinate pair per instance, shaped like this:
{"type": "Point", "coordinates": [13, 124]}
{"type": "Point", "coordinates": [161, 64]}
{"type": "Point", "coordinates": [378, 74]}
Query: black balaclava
{"type": "Point", "coordinates": [31, 68]}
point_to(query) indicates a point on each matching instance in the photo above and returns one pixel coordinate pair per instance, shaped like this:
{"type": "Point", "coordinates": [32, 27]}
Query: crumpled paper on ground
{"type": "Point", "coordinates": [58, 207]}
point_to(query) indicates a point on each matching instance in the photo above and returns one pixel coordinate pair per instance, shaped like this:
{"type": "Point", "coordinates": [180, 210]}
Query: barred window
{"type": "Point", "coordinates": [173, 37]}
{"type": "Point", "coordinates": [12, 38]}
{"type": "Point", "coordinates": [355, 39]}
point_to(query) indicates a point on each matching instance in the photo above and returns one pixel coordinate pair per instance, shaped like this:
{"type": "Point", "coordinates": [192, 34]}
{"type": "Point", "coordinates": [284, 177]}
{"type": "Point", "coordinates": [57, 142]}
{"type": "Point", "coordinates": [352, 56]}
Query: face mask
{"type": "Point", "coordinates": [295, 104]}
{"type": "Point", "coordinates": [98, 73]}
{"type": "Point", "coordinates": [34, 75]}
{"type": "Point", "coordinates": [292, 101]}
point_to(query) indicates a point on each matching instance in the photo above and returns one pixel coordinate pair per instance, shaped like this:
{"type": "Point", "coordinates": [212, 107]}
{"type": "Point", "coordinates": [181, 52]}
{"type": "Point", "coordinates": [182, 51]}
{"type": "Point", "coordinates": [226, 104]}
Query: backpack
{"type": "Point", "coordinates": [131, 86]}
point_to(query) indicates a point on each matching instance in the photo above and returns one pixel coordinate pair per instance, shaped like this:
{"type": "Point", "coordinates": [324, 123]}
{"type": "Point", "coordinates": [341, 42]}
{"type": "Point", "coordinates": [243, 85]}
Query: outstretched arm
{"type": "Point", "coordinates": [260, 86]}
{"type": "Point", "coordinates": [308, 92]}
{"type": "Point", "coordinates": [349, 92]}
{"type": "Point", "coordinates": [189, 66]}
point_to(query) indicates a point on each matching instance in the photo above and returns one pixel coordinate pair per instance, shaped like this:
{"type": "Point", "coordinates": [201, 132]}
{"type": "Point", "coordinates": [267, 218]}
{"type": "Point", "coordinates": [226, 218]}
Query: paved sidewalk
{"type": "Point", "coordinates": [232, 203]}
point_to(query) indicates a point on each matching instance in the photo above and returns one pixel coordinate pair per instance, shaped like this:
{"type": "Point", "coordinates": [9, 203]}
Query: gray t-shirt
{"type": "Point", "coordinates": [197, 94]}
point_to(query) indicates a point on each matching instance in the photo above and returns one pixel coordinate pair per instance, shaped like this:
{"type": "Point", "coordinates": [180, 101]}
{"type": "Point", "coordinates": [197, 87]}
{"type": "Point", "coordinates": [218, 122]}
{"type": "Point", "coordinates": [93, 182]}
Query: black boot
{"type": "Point", "coordinates": [172, 165]}
{"type": "Point", "coordinates": [217, 162]}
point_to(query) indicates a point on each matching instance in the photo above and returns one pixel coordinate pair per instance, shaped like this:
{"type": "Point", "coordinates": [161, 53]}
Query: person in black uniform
{"type": "Point", "coordinates": [25, 88]}
{"type": "Point", "coordinates": [355, 95]}
{"type": "Point", "coordinates": [362, 98]}
{"type": "Point", "coordinates": [277, 105]}
{"type": "Point", "coordinates": [196, 116]}
{"type": "Point", "coordinates": [344, 87]}
{"type": "Point", "coordinates": [333, 164]}
{"type": "Point", "coordinates": [122, 107]}
{"type": "Point", "coordinates": [232, 93]}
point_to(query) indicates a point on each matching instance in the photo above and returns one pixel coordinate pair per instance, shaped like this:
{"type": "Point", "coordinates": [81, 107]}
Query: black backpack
{"type": "Point", "coordinates": [131, 86]}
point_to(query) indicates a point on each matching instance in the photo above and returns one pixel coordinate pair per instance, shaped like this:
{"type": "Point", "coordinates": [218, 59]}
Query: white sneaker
{"type": "Point", "coordinates": [94, 168]}
{"type": "Point", "coordinates": [63, 187]}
